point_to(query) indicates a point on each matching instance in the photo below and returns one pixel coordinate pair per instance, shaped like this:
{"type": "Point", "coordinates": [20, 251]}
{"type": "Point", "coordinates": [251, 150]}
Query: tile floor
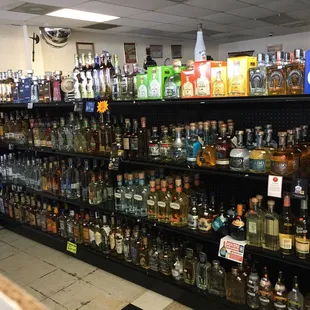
{"type": "Point", "coordinates": [63, 282]}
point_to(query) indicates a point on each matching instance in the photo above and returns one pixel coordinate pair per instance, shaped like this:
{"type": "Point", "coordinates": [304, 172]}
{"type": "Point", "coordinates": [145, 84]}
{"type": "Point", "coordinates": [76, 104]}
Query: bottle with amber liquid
{"type": "Point", "coordinates": [276, 76]}
{"type": "Point", "coordinates": [295, 74]}
{"type": "Point", "coordinates": [223, 147]}
{"type": "Point", "coordinates": [296, 152]}
{"type": "Point", "coordinates": [281, 160]}
{"type": "Point", "coordinates": [265, 292]}
{"type": "Point", "coordinates": [280, 294]}
{"type": "Point", "coordinates": [237, 227]}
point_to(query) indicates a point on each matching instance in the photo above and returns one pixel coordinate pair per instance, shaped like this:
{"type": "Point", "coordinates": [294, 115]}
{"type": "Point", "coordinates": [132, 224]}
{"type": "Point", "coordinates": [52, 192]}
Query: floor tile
{"type": "Point", "coordinates": [176, 306]}
{"type": "Point", "coordinates": [34, 293]}
{"type": "Point", "coordinates": [78, 268]}
{"type": "Point", "coordinates": [6, 251]}
{"type": "Point", "coordinates": [115, 286]}
{"type": "Point", "coordinates": [9, 237]}
{"type": "Point", "coordinates": [159, 302]}
{"type": "Point", "coordinates": [3, 231]}
{"type": "Point", "coordinates": [76, 295]}
{"type": "Point", "coordinates": [53, 282]}
{"type": "Point", "coordinates": [52, 305]}
{"type": "Point", "coordinates": [131, 307]}
{"type": "Point", "coordinates": [105, 302]}
{"type": "Point", "coordinates": [23, 243]}
{"type": "Point", "coordinates": [13, 278]}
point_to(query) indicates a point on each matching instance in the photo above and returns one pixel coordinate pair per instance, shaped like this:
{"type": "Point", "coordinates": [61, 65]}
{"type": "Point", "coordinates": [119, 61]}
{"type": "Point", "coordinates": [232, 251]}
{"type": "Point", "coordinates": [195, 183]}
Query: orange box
{"type": "Point", "coordinates": [188, 84]}
{"type": "Point", "coordinates": [202, 79]}
{"type": "Point", "coordinates": [218, 78]}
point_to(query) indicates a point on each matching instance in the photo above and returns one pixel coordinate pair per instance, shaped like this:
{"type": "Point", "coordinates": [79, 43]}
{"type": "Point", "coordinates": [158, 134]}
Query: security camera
{"type": "Point", "coordinates": [270, 34]}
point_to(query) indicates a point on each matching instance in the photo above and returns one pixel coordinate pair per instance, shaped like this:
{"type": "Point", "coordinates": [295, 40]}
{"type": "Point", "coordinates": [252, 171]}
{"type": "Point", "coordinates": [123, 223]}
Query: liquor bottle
{"type": "Point", "coordinates": [254, 224]}
{"type": "Point", "coordinates": [298, 144]}
{"type": "Point", "coordinates": [70, 225]}
{"type": "Point", "coordinates": [165, 260]}
{"type": "Point", "coordinates": [295, 299]}
{"type": "Point", "coordinates": [165, 144]}
{"type": "Point", "coordinates": [154, 145]}
{"type": "Point", "coordinates": [116, 80]}
{"type": "Point", "coordinates": [217, 279]}
{"type": "Point", "coordinates": [135, 246]}
{"type": "Point", "coordinates": [48, 87]}
{"type": "Point", "coordinates": [193, 146]}
{"type": "Point", "coordinates": [296, 152]}
{"type": "Point", "coordinates": [179, 206]}
{"type": "Point", "coordinates": [94, 191]}
{"type": "Point", "coordinates": [63, 229]}
{"type": "Point", "coordinates": [202, 272]}
{"type": "Point", "coordinates": [126, 245]}
{"type": "Point", "coordinates": [287, 227]}
{"type": "Point", "coordinates": [259, 157]}
{"type": "Point", "coordinates": [237, 227]}
{"type": "Point", "coordinates": [236, 84]}
{"type": "Point", "coordinates": [143, 140]}
{"type": "Point", "coordinates": [119, 237]}
{"type": "Point", "coordinates": [126, 139]}
{"type": "Point", "coordinates": [271, 228]}
{"type": "Point", "coordinates": [154, 254]}
{"type": "Point", "coordinates": [144, 250]}
{"type": "Point", "coordinates": [85, 229]}
{"type": "Point", "coordinates": [218, 86]}
{"type": "Point", "coordinates": [192, 218]}
{"type": "Point", "coordinates": [119, 194]}
{"type": "Point", "coordinates": [252, 289]}
{"type": "Point", "coordinates": [164, 200]}
{"type": "Point", "coordinates": [189, 271]}
{"type": "Point", "coordinates": [96, 242]}
{"type": "Point", "coordinates": [152, 202]}
{"type": "Point", "coordinates": [105, 235]}
{"type": "Point", "coordinates": [200, 48]}
{"type": "Point", "coordinates": [280, 293]}
{"type": "Point", "coordinates": [205, 218]}
{"type": "Point", "coordinates": [265, 292]}
{"type": "Point", "coordinates": [34, 90]}
{"type": "Point", "coordinates": [140, 197]}
{"type": "Point", "coordinates": [302, 231]}
{"type": "Point", "coordinates": [129, 193]}
{"type": "Point", "coordinates": [235, 287]}
{"type": "Point", "coordinates": [295, 74]}
{"type": "Point", "coordinates": [178, 148]}
{"type": "Point", "coordinates": [281, 160]}
{"type": "Point", "coordinates": [57, 93]}
{"type": "Point", "coordinates": [133, 141]}
{"type": "Point", "coordinates": [173, 83]}
{"type": "Point", "coordinates": [77, 230]}
{"type": "Point", "coordinates": [93, 145]}
{"type": "Point", "coordinates": [223, 147]}
{"type": "Point", "coordinates": [258, 76]}
{"type": "Point", "coordinates": [220, 222]}
{"type": "Point", "coordinates": [239, 156]}
{"type": "Point", "coordinates": [72, 181]}
{"type": "Point", "coordinates": [276, 76]}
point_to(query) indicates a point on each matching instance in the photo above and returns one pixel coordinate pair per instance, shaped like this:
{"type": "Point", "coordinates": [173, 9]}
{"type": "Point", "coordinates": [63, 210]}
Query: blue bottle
{"type": "Point", "coordinates": [193, 146]}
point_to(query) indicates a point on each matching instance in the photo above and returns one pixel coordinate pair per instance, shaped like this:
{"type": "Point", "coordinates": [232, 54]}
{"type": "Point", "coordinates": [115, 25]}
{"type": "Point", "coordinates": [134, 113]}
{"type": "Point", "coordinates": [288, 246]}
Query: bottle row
{"type": "Point", "coordinates": [150, 249]}
{"type": "Point", "coordinates": [203, 144]}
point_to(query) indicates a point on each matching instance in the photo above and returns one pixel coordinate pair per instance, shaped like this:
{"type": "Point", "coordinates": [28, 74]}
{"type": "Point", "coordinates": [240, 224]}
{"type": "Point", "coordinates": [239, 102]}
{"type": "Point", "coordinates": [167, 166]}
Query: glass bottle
{"type": "Point", "coordinates": [94, 191]}
{"type": "Point", "coordinates": [193, 146]}
{"type": "Point", "coordinates": [276, 76]}
{"type": "Point", "coordinates": [295, 74]}
{"type": "Point", "coordinates": [165, 144]}
{"type": "Point", "coordinates": [119, 195]}
{"type": "Point", "coordinates": [154, 254]}
{"type": "Point", "coordinates": [135, 246]}
{"type": "Point", "coordinates": [217, 279]}
{"type": "Point", "coordinates": [295, 299]}
{"type": "Point", "coordinates": [235, 287]}
{"type": "Point", "coordinates": [192, 218]}
{"type": "Point", "coordinates": [259, 157]}
{"type": "Point", "coordinates": [129, 192]}
{"type": "Point", "coordinates": [271, 228]}
{"type": "Point", "coordinates": [177, 267]}
{"type": "Point", "coordinates": [239, 156]}
{"type": "Point", "coordinates": [105, 235]}
{"type": "Point", "coordinates": [77, 230]}
{"type": "Point", "coordinates": [200, 48]}
{"type": "Point", "coordinates": [133, 141]}
{"type": "Point", "coordinates": [154, 145]}
{"type": "Point", "coordinates": [252, 293]}
{"type": "Point", "coordinates": [258, 76]}
{"type": "Point", "coordinates": [152, 202]}
{"type": "Point", "coordinates": [265, 292]}
{"type": "Point", "coordinates": [280, 294]}
{"type": "Point", "coordinates": [179, 206]}
{"type": "Point", "coordinates": [287, 227]}
{"type": "Point", "coordinates": [143, 138]}
{"type": "Point", "coordinates": [144, 250]}
{"type": "Point", "coordinates": [237, 226]}
{"type": "Point", "coordinates": [72, 181]}
{"type": "Point", "coordinates": [302, 237]}
{"type": "Point", "coordinates": [189, 271]}
{"type": "Point", "coordinates": [165, 260]}
{"type": "Point", "coordinates": [205, 218]}
{"type": "Point", "coordinates": [254, 224]}
{"type": "Point", "coordinates": [164, 200]}
{"type": "Point", "coordinates": [63, 229]}
{"type": "Point", "coordinates": [236, 84]}
{"type": "Point", "coordinates": [126, 245]}
{"type": "Point", "coordinates": [173, 83]}
{"type": "Point", "coordinates": [296, 152]}
{"type": "Point", "coordinates": [140, 197]}
{"type": "Point", "coordinates": [202, 271]}
{"type": "Point", "coordinates": [223, 147]}
{"type": "Point", "coordinates": [178, 148]}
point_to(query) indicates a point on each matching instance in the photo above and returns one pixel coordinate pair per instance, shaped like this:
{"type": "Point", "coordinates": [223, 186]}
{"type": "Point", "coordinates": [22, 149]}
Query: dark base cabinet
{"type": "Point", "coordinates": [178, 291]}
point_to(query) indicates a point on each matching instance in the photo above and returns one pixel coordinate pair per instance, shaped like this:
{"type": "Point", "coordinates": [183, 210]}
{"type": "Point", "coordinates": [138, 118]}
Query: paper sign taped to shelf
{"type": "Point", "coordinates": [30, 105]}
{"type": "Point", "coordinates": [275, 186]}
{"type": "Point", "coordinates": [71, 247]}
{"type": "Point", "coordinates": [232, 249]}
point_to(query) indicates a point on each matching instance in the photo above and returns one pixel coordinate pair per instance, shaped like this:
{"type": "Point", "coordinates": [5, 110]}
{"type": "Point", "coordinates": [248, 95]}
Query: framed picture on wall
{"type": "Point", "coordinates": [176, 51]}
{"type": "Point", "coordinates": [130, 52]}
{"type": "Point", "coordinates": [156, 51]}
{"type": "Point", "coordinates": [274, 48]}
{"type": "Point", "coordinates": [84, 47]}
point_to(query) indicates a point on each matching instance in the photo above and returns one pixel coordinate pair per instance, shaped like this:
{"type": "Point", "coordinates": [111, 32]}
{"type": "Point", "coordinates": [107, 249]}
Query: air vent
{"type": "Point", "coordinates": [280, 19]}
{"type": "Point", "coordinates": [33, 8]}
{"type": "Point", "coordinates": [101, 26]}
{"type": "Point", "coordinates": [300, 23]}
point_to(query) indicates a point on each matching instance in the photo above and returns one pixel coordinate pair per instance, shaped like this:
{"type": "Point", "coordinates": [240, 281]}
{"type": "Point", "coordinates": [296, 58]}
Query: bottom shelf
{"type": "Point", "coordinates": [178, 291]}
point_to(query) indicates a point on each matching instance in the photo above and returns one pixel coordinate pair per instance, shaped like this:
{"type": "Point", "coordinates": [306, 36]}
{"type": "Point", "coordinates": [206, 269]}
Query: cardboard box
{"type": "Point", "coordinates": [237, 75]}
{"type": "Point", "coordinates": [218, 78]}
{"type": "Point", "coordinates": [156, 81]}
{"type": "Point", "coordinates": [202, 79]}
{"type": "Point", "coordinates": [188, 84]}
{"type": "Point", "coordinates": [142, 84]}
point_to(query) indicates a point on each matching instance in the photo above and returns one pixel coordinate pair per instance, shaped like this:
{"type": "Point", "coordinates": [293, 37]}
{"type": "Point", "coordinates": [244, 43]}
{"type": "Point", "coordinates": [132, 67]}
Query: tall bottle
{"type": "Point", "coordinates": [200, 47]}
{"type": "Point", "coordinates": [235, 287]}
{"type": "Point", "coordinates": [179, 206]}
{"type": "Point", "coordinates": [252, 289]}
{"type": "Point", "coordinates": [140, 197]}
{"type": "Point", "coordinates": [265, 292]}
{"type": "Point", "coordinates": [119, 194]}
{"type": "Point", "coordinates": [202, 271]}
{"type": "Point", "coordinates": [295, 300]}
{"type": "Point", "coordinates": [193, 146]}
{"type": "Point", "coordinates": [143, 140]}
{"type": "Point", "coordinates": [189, 273]}
{"type": "Point", "coordinates": [280, 294]}
{"type": "Point", "coordinates": [254, 224]}
{"type": "Point", "coordinates": [223, 147]}
{"type": "Point", "coordinates": [217, 279]}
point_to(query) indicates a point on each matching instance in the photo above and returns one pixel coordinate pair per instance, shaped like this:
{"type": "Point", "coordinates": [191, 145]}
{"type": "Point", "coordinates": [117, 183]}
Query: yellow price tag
{"type": "Point", "coordinates": [71, 247]}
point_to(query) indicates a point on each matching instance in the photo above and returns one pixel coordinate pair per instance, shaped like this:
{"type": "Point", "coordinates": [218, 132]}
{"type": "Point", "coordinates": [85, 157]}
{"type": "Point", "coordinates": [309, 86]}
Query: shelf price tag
{"type": "Point", "coordinates": [29, 105]}
{"type": "Point", "coordinates": [232, 249]}
{"type": "Point", "coordinates": [71, 247]}
{"type": "Point", "coordinates": [275, 186]}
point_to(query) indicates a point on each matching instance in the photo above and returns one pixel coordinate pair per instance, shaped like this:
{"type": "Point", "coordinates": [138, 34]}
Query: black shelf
{"type": "Point", "coordinates": [37, 105]}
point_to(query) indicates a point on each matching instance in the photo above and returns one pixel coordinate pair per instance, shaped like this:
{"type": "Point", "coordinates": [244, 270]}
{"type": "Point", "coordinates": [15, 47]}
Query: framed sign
{"type": "Point", "coordinates": [130, 52]}
{"type": "Point", "coordinates": [156, 51]}
{"type": "Point", "coordinates": [84, 47]}
{"type": "Point", "coordinates": [242, 53]}
{"type": "Point", "coordinates": [176, 51]}
{"type": "Point", "coordinates": [274, 48]}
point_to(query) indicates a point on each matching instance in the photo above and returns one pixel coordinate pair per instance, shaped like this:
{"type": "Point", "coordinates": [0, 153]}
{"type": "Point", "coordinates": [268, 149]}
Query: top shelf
{"type": "Point", "coordinates": [200, 101]}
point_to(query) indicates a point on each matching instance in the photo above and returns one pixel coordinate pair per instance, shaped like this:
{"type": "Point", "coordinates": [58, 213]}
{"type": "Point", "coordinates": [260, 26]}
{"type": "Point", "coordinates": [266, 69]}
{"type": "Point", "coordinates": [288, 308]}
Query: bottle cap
{"type": "Point", "coordinates": [280, 56]}
{"type": "Point", "coordinates": [186, 179]}
{"type": "Point", "coordinates": [239, 208]}
{"type": "Point", "coordinates": [298, 53]}
{"type": "Point", "coordinates": [163, 183]}
{"type": "Point", "coordinates": [271, 203]}
{"type": "Point", "coordinates": [254, 200]}
{"type": "Point", "coordinates": [129, 177]}
{"type": "Point", "coordinates": [178, 182]}
{"type": "Point", "coordinates": [260, 57]}
{"type": "Point", "coordinates": [141, 175]}
{"type": "Point", "coordinates": [202, 257]}
{"type": "Point", "coordinates": [152, 183]}
{"type": "Point", "coordinates": [216, 263]}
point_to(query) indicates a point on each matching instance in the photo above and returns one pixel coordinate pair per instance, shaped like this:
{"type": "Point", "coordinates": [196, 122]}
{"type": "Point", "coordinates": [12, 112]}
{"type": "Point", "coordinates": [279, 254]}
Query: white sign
{"type": "Point", "coordinates": [232, 249]}
{"type": "Point", "coordinates": [30, 105]}
{"type": "Point", "coordinates": [275, 186]}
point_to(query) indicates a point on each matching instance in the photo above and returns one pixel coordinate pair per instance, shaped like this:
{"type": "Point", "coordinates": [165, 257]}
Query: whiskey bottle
{"type": "Point", "coordinates": [235, 287]}
{"type": "Point", "coordinates": [259, 157]}
{"type": "Point", "coordinates": [239, 156]}
{"type": "Point", "coordinates": [70, 225]}
{"type": "Point", "coordinates": [258, 76]}
{"type": "Point", "coordinates": [280, 294]}
{"type": "Point", "coordinates": [276, 76]}
{"type": "Point", "coordinates": [237, 227]}
{"type": "Point", "coordinates": [265, 292]}
{"type": "Point", "coordinates": [179, 206]}
{"type": "Point", "coordinates": [164, 199]}
{"type": "Point", "coordinates": [217, 279]}
{"type": "Point", "coordinates": [189, 271]}
{"type": "Point", "coordinates": [295, 74]}
{"type": "Point", "coordinates": [223, 147]}
{"type": "Point", "coordinates": [77, 230]}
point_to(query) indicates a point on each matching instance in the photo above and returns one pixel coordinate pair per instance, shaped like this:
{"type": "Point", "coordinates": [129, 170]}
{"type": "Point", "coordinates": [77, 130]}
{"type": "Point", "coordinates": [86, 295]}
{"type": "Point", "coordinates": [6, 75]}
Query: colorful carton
{"type": "Point", "coordinates": [156, 81]}
{"type": "Point", "coordinates": [142, 84]}
{"type": "Point", "coordinates": [218, 78]}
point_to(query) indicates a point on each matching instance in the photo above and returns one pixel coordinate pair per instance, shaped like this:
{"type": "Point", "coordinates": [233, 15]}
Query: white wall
{"type": "Point", "coordinates": [290, 42]}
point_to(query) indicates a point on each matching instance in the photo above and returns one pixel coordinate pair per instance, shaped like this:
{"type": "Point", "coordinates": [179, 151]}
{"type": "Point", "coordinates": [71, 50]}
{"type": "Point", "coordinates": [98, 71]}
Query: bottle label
{"type": "Point", "coordinates": [252, 227]}
{"type": "Point", "coordinates": [302, 245]}
{"type": "Point", "coordinates": [217, 223]}
{"type": "Point", "coordinates": [138, 197]}
{"type": "Point", "coordinates": [153, 149]}
{"type": "Point", "coordinates": [279, 168]}
{"type": "Point", "coordinates": [165, 149]}
{"type": "Point", "coordinates": [128, 196]}
{"type": "Point", "coordinates": [205, 224]}
{"type": "Point", "coordinates": [151, 202]}
{"type": "Point", "coordinates": [294, 305]}
{"type": "Point", "coordinates": [134, 144]}
{"type": "Point", "coordinates": [280, 304]}
{"type": "Point", "coordinates": [192, 221]}
{"type": "Point", "coordinates": [271, 227]}
{"type": "Point", "coordinates": [175, 206]}
{"type": "Point", "coordinates": [86, 234]}
{"type": "Point", "coordinates": [117, 195]}
{"type": "Point", "coordinates": [258, 165]}
{"type": "Point", "coordinates": [98, 238]}
{"type": "Point", "coordinates": [161, 204]}
{"type": "Point", "coordinates": [91, 236]}
{"type": "Point", "coordinates": [222, 154]}
{"type": "Point", "coordinates": [126, 144]}
{"type": "Point", "coordinates": [286, 241]}
{"type": "Point", "coordinates": [236, 162]}
{"type": "Point", "coordinates": [112, 241]}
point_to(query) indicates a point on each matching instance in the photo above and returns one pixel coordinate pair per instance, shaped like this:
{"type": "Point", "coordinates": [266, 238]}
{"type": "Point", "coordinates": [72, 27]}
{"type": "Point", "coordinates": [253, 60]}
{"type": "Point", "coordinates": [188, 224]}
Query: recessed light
{"type": "Point", "coordinates": [82, 15]}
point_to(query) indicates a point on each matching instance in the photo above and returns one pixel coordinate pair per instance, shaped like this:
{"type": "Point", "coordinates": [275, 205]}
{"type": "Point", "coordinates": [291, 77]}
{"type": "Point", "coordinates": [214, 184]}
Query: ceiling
{"type": "Point", "coordinates": [223, 20]}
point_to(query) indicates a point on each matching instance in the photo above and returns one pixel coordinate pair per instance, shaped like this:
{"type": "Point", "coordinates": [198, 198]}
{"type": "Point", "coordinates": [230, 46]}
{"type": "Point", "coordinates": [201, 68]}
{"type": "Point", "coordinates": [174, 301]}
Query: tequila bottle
{"type": "Point", "coordinates": [188, 87]}
{"type": "Point", "coordinates": [77, 230]}
{"type": "Point", "coordinates": [223, 147]}
{"type": "Point", "coordinates": [85, 229]}
{"type": "Point", "coordinates": [237, 226]}
{"type": "Point", "coordinates": [177, 263]}
{"type": "Point", "coordinates": [271, 228]}
{"type": "Point", "coordinates": [235, 287]}
{"type": "Point", "coordinates": [189, 271]}
{"type": "Point", "coordinates": [62, 139]}
{"type": "Point", "coordinates": [179, 206]}
{"type": "Point", "coordinates": [178, 148]}
{"type": "Point", "coordinates": [254, 224]}
{"type": "Point", "coordinates": [72, 181]}
{"type": "Point", "coordinates": [252, 287]}
{"type": "Point", "coordinates": [116, 94]}
{"type": "Point", "coordinates": [119, 237]}
{"type": "Point", "coordinates": [154, 145]}
{"type": "Point", "coordinates": [295, 74]}
{"type": "Point", "coordinates": [205, 218]}
{"type": "Point", "coordinates": [133, 141]}
{"type": "Point", "coordinates": [295, 299]}
{"type": "Point", "coordinates": [94, 191]}
{"type": "Point", "coordinates": [143, 140]}
{"type": "Point", "coordinates": [193, 146]}
{"type": "Point", "coordinates": [119, 195]}
{"type": "Point", "coordinates": [265, 292]}
{"type": "Point", "coordinates": [154, 86]}
{"type": "Point", "coordinates": [239, 156]}
{"type": "Point", "coordinates": [236, 83]}
{"type": "Point", "coordinates": [192, 218]}
{"type": "Point", "coordinates": [276, 76]}
{"type": "Point", "coordinates": [202, 272]}
{"type": "Point", "coordinates": [217, 279]}
{"type": "Point", "coordinates": [258, 76]}
{"type": "Point", "coordinates": [152, 202]}
{"type": "Point", "coordinates": [165, 144]}
{"type": "Point", "coordinates": [259, 157]}
{"type": "Point", "coordinates": [124, 84]}
{"type": "Point", "coordinates": [280, 294]}
{"type": "Point", "coordinates": [140, 197]}
{"type": "Point", "coordinates": [173, 83]}
{"type": "Point", "coordinates": [142, 89]}
{"type": "Point", "coordinates": [70, 225]}
{"type": "Point", "coordinates": [135, 246]}
{"type": "Point", "coordinates": [200, 48]}
{"type": "Point", "coordinates": [144, 251]}
{"type": "Point", "coordinates": [105, 235]}
{"type": "Point", "coordinates": [296, 152]}
{"type": "Point", "coordinates": [164, 200]}
{"type": "Point", "coordinates": [218, 86]}
{"type": "Point", "coordinates": [154, 257]}
{"type": "Point", "coordinates": [63, 229]}
{"type": "Point", "coordinates": [165, 260]}
{"type": "Point", "coordinates": [96, 78]}
{"type": "Point", "coordinates": [129, 193]}
{"type": "Point", "coordinates": [202, 82]}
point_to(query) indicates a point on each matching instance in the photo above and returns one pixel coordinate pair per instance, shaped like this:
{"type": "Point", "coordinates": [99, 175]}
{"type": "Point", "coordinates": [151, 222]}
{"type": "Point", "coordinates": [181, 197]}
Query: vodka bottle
{"type": "Point", "coordinates": [200, 48]}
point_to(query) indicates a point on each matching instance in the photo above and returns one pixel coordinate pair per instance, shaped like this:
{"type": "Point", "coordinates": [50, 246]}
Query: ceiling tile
{"type": "Point", "coordinates": [279, 19]}
{"type": "Point", "coordinates": [223, 28]}
{"type": "Point", "coordinates": [102, 26]}
{"type": "Point", "coordinates": [188, 22]}
{"type": "Point", "coordinates": [133, 22]}
{"type": "Point", "coordinates": [223, 18]}
{"type": "Point", "coordinates": [148, 32]}
{"type": "Point", "coordinates": [255, 2]}
{"type": "Point", "coordinates": [303, 14]}
{"type": "Point", "coordinates": [16, 15]}
{"type": "Point", "coordinates": [158, 17]}
{"type": "Point", "coordinates": [250, 24]}
{"type": "Point", "coordinates": [56, 22]}
{"type": "Point", "coordinates": [285, 6]}
{"type": "Point", "coordinates": [206, 32]}
{"type": "Point", "coordinates": [173, 28]}
{"type": "Point", "coordinates": [221, 6]}
{"type": "Point", "coordinates": [252, 12]}
{"type": "Point", "coordinates": [120, 29]}
{"type": "Point", "coordinates": [265, 31]}
{"type": "Point", "coordinates": [105, 8]}
{"type": "Point", "coordinates": [185, 10]}
{"type": "Point", "coordinates": [34, 8]}
{"type": "Point", "coordinates": [144, 5]}
{"type": "Point", "coordinates": [61, 3]}
{"type": "Point", "coordinates": [9, 4]}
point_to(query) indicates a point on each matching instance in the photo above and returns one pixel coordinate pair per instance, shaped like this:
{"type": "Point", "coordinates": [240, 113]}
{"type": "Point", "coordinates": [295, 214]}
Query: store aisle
{"type": "Point", "coordinates": [63, 282]}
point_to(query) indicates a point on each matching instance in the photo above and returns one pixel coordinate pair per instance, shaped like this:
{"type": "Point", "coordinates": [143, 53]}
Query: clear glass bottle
{"type": "Point", "coordinates": [165, 260]}
{"type": "Point", "coordinates": [152, 202]}
{"type": "Point", "coordinates": [165, 145]}
{"type": "Point", "coordinates": [177, 263]}
{"type": "Point", "coordinates": [189, 271]}
{"type": "Point", "coordinates": [154, 254]}
{"type": "Point", "coordinates": [280, 293]}
{"type": "Point", "coordinates": [205, 217]}
{"type": "Point", "coordinates": [265, 292]}
{"type": "Point", "coordinates": [140, 197]}
{"type": "Point", "coordinates": [70, 225]}
{"type": "Point", "coordinates": [276, 76]}
{"type": "Point", "coordinates": [94, 191]}
{"type": "Point", "coordinates": [72, 181]}
{"type": "Point", "coordinates": [271, 228]}
{"type": "Point", "coordinates": [192, 218]}
{"type": "Point", "coordinates": [258, 76]}
{"type": "Point", "coordinates": [127, 246]}
{"type": "Point", "coordinates": [239, 159]}
{"type": "Point", "coordinates": [106, 235]}
{"type": "Point", "coordinates": [223, 147]}
{"type": "Point", "coordinates": [252, 293]}
{"type": "Point", "coordinates": [173, 83]}
{"type": "Point", "coordinates": [235, 287]}
{"type": "Point", "coordinates": [217, 279]}
{"type": "Point", "coordinates": [154, 145]}
{"type": "Point", "coordinates": [296, 152]}
{"type": "Point", "coordinates": [202, 271]}
{"type": "Point", "coordinates": [295, 74]}
{"type": "Point", "coordinates": [295, 300]}
{"type": "Point", "coordinates": [200, 48]}
{"type": "Point", "coordinates": [178, 147]}
{"type": "Point", "coordinates": [63, 224]}
{"type": "Point", "coordinates": [119, 195]}
{"type": "Point", "coordinates": [254, 224]}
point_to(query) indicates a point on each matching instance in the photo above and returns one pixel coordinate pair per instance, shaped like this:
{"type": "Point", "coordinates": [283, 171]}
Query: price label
{"type": "Point", "coordinates": [11, 147]}
{"type": "Point", "coordinates": [275, 186]}
{"type": "Point", "coordinates": [232, 249]}
{"type": "Point", "coordinates": [78, 106]}
{"type": "Point", "coordinates": [71, 247]}
{"type": "Point", "coordinates": [29, 105]}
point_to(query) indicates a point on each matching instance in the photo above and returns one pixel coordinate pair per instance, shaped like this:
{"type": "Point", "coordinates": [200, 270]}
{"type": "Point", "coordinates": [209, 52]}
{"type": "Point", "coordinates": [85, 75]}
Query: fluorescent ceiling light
{"type": "Point", "coordinates": [82, 15]}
